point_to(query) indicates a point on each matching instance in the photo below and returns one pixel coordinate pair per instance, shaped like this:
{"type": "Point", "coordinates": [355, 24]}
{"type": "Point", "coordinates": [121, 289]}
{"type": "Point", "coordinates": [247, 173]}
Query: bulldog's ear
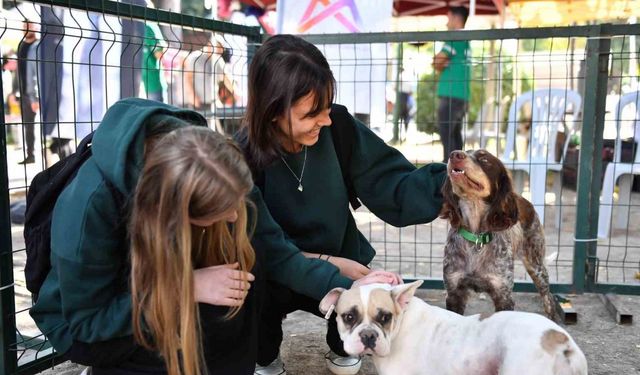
{"type": "Point", "coordinates": [330, 299]}
{"type": "Point", "coordinates": [403, 293]}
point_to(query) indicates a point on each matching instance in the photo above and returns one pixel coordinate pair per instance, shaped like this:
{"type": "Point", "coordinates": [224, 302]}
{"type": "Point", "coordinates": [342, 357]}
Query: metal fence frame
{"type": "Point", "coordinates": [589, 186]}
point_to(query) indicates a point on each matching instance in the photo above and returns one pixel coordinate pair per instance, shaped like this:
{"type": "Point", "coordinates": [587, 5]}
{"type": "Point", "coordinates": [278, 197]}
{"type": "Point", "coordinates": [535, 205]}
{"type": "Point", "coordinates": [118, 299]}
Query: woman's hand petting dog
{"type": "Point", "coordinates": [349, 268]}
{"type": "Point", "coordinates": [378, 277]}
{"type": "Point", "coordinates": [221, 285]}
{"type": "Point", "coordinates": [355, 271]}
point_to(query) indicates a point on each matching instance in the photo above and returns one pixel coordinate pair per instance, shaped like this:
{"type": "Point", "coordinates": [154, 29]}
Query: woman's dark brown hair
{"type": "Point", "coordinates": [284, 70]}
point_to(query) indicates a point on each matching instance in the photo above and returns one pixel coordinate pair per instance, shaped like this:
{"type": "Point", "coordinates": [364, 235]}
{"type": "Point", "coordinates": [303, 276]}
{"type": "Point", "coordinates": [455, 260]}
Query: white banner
{"type": "Point", "coordinates": [360, 69]}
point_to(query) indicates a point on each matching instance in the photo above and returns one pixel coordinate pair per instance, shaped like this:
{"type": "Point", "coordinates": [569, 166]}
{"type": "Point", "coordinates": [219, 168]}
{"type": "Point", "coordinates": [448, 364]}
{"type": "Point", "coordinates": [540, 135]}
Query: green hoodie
{"type": "Point", "coordinates": [86, 294]}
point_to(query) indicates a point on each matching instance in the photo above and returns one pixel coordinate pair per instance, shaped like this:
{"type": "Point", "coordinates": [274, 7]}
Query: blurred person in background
{"type": "Point", "coordinates": [453, 63]}
{"type": "Point", "coordinates": [154, 48]}
{"type": "Point", "coordinates": [28, 87]}
{"type": "Point", "coordinates": [10, 95]}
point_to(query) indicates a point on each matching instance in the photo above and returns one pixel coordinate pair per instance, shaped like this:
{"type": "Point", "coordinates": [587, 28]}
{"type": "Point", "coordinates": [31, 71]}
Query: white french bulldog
{"type": "Point", "coordinates": [406, 336]}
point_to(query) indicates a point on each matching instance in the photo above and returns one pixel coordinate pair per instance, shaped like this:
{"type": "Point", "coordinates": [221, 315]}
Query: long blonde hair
{"type": "Point", "coordinates": [189, 173]}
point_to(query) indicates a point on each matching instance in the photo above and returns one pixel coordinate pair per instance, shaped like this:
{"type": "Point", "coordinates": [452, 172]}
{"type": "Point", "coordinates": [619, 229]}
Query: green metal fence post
{"type": "Point", "coordinates": [8, 358]}
{"type": "Point", "coordinates": [590, 163]}
{"type": "Point", "coordinates": [396, 108]}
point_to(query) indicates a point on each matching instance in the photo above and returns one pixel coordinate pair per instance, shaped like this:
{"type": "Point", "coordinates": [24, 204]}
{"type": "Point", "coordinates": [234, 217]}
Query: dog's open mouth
{"type": "Point", "coordinates": [457, 173]}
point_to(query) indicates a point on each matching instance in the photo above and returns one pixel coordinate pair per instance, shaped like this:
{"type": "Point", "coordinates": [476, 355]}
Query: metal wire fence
{"type": "Point", "coordinates": [529, 98]}
{"type": "Point", "coordinates": [88, 55]}
{"type": "Point", "coordinates": [64, 64]}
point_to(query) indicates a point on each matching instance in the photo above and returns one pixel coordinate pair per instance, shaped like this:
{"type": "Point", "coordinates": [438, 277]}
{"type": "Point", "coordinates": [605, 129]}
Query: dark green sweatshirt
{"type": "Point", "coordinates": [318, 218]}
{"type": "Point", "coordinates": [86, 294]}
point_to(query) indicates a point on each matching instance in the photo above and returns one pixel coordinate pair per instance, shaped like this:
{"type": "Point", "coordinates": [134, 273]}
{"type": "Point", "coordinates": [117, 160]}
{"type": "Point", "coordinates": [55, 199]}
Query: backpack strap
{"type": "Point", "coordinates": [54, 179]}
{"type": "Point", "coordinates": [343, 133]}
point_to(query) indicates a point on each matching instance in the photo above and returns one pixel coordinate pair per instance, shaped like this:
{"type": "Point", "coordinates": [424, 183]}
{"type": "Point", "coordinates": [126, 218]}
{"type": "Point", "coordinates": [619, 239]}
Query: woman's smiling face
{"type": "Point", "coordinates": [305, 126]}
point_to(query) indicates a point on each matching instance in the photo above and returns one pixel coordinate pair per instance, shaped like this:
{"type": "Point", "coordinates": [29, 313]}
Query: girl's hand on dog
{"type": "Point", "coordinates": [221, 285]}
{"type": "Point", "coordinates": [350, 268]}
{"type": "Point", "coordinates": [379, 276]}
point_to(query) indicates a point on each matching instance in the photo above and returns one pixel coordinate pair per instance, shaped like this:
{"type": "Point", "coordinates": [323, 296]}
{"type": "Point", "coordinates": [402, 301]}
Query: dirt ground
{"type": "Point", "coordinates": [416, 252]}
{"type": "Point", "coordinates": [611, 349]}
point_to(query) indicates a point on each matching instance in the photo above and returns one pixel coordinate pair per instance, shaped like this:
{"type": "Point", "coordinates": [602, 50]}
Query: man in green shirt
{"type": "Point", "coordinates": [154, 46]}
{"type": "Point", "coordinates": [453, 63]}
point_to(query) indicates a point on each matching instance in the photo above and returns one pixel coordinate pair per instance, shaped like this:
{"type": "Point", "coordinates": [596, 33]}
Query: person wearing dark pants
{"type": "Point", "coordinates": [280, 301]}
{"type": "Point", "coordinates": [27, 81]}
{"type": "Point", "coordinates": [453, 63]}
{"type": "Point", "coordinates": [28, 122]}
{"type": "Point", "coordinates": [310, 158]}
{"type": "Point", "coordinates": [451, 112]}
{"type": "Point", "coordinates": [166, 283]}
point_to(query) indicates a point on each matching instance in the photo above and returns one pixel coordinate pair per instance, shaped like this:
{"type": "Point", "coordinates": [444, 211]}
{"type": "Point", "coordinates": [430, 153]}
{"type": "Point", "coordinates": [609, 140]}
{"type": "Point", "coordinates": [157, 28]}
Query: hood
{"type": "Point", "coordinates": [118, 143]}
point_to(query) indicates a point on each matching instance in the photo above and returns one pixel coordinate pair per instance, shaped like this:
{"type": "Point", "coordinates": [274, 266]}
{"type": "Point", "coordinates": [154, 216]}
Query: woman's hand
{"type": "Point", "coordinates": [379, 276]}
{"type": "Point", "coordinates": [349, 268]}
{"type": "Point", "coordinates": [221, 285]}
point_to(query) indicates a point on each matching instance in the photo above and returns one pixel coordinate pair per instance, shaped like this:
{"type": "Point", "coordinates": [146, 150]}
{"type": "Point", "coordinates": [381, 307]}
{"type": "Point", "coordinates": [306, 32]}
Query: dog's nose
{"type": "Point", "coordinates": [457, 154]}
{"type": "Point", "coordinates": [368, 338]}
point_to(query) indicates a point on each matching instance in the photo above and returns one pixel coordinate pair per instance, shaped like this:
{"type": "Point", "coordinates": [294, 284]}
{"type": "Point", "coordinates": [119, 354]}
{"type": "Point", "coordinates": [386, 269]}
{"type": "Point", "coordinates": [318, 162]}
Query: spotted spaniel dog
{"type": "Point", "coordinates": [490, 224]}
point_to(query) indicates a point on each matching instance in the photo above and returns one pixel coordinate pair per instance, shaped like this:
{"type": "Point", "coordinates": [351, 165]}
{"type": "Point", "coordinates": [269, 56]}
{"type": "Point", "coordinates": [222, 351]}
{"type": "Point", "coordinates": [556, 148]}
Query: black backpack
{"type": "Point", "coordinates": [343, 133]}
{"type": "Point", "coordinates": [44, 191]}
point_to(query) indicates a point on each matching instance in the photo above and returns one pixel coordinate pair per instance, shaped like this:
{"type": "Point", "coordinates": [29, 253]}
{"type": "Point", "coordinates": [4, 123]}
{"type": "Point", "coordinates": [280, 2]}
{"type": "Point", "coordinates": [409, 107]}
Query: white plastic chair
{"type": "Point", "coordinates": [618, 169]}
{"type": "Point", "coordinates": [484, 128]}
{"type": "Point", "coordinates": [548, 111]}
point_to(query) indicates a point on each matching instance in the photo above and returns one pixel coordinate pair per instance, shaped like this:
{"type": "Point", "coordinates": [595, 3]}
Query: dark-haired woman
{"type": "Point", "coordinates": [152, 271]}
{"type": "Point", "coordinates": [303, 199]}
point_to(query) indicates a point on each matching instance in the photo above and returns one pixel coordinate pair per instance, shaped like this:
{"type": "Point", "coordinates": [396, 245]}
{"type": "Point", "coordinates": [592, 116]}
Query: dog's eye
{"type": "Point", "coordinates": [384, 318]}
{"type": "Point", "coordinates": [348, 318]}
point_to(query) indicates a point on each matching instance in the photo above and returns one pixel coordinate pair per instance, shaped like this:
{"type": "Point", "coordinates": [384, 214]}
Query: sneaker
{"type": "Point", "coordinates": [274, 368]}
{"type": "Point", "coordinates": [342, 365]}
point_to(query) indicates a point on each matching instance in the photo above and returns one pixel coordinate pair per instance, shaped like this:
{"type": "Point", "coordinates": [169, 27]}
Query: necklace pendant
{"type": "Point", "coordinates": [300, 187]}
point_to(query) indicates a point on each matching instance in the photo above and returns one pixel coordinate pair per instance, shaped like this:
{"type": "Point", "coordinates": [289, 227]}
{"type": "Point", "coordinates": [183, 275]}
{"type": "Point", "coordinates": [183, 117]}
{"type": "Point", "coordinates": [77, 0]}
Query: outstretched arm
{"type": "Point", "coordinates": [391, 186]}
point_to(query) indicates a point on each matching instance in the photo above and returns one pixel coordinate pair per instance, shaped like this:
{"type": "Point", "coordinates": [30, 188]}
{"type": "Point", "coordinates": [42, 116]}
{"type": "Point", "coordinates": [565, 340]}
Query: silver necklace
{"type": "Point", "coordinates": [304, 163]}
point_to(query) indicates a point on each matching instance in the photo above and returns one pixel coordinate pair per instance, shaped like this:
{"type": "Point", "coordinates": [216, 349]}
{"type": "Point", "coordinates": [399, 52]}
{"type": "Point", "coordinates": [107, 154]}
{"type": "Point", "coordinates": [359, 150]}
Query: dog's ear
{"type": "Point", "coordinates": [450, 207]}
{"type": "Point", "coordinates": [503, 209]}
{"type": "Point", "coordinates": [330, 299]}
{"type": "Point", "coordinates": [403, 293]}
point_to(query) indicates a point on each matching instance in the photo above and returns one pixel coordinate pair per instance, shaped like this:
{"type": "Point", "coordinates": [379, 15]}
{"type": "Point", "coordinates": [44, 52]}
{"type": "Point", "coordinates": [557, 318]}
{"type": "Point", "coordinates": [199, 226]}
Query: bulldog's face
{"type": "Point", "coordinates": [369, 316]}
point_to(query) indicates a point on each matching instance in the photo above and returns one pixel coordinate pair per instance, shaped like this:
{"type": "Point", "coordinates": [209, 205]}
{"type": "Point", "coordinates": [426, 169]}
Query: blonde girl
{"type": "Point", "coordinates": [152, 268]}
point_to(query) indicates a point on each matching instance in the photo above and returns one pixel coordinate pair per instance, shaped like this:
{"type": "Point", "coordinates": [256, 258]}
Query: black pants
{"type": "Point", "coordinates": [229, 347]}
{"type": "Point", "coordinates": [28, 121]}
{"type": "Point", "coordinates": [451, 111]}
{"type": "Point", "coordinates": [279, 302]}
{"type": "Point", "coordinates": [405, 110]}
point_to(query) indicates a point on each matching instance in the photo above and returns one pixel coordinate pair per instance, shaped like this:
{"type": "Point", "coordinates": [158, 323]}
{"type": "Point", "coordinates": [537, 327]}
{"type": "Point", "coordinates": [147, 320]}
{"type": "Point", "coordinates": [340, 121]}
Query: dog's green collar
{"type": "Point", "coordinates": [476, 238]}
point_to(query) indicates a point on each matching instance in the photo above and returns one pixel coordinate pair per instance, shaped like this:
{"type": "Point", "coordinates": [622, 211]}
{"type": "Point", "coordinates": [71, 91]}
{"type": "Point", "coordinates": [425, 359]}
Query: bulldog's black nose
{"type": "Point", "coordinates": [368, 338]}
{"type": "Point", "coordinates": [457, 154]}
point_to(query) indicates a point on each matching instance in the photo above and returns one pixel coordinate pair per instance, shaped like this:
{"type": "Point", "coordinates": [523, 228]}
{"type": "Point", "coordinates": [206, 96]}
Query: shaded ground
{"type": "Point", "coordinates": [611, 349]}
